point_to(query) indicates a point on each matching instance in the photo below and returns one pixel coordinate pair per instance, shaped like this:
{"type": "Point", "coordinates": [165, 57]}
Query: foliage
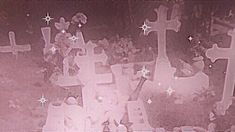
{"type": "Point", "coordinates": [119, 50]}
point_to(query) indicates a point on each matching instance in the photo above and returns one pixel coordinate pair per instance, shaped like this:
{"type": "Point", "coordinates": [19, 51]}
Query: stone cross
{"type": "Point", "coordinates": [216, 53]}
{"type": "Point", "coordinates": [87, 65]}
{"type": "Point", "coordinates": [87, 73]}
{"type": "Point", "coordinates": [13, 47]}
{"type": "Point", "coordinates": [161, 26]}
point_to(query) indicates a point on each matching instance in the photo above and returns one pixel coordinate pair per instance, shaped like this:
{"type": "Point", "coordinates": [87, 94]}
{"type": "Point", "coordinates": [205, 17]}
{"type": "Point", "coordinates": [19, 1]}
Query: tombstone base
{"type": "Point", "coordinates": [64, 81]}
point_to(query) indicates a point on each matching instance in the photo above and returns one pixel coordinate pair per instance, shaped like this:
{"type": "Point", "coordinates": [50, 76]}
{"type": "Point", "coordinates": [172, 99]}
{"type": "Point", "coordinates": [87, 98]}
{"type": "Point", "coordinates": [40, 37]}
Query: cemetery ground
{"type": "Point", "coordinates": [22, 85]}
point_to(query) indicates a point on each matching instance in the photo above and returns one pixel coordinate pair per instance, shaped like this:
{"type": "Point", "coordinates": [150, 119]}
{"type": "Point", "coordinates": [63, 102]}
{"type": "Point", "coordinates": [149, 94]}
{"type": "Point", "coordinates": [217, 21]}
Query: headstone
{"type": "Point", "coordinates": [13, 47]}
{"type": "Point", "coordinates": [138, 116]}
{"type": "Point", "coordinates": [163, 66]}
{"type": "Point", "coordinates": [122, 80]}
{"type": "Point", "coordinates": [216, 53]}
{"type": "Point", "coordinates": [55, 118]}
{"type": "Point", "coordinates": [74, 118]}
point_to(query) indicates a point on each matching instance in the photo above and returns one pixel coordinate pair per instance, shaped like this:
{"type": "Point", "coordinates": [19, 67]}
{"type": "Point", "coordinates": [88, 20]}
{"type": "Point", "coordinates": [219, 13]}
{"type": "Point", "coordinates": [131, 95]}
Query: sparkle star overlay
{"type": "Point", "coordinates": [145, 28]}
{"type": "Point", "coordinates": [144, 72]}
{"type": "Point", "coordinates": [42, 100]}
{"type": "Point", "coordinates": [53, 50]}
{"type": "Point", "coordinates": [170, 91]}
{"type": "Point", "coordinates": [73, 38]}
{"type": "Point", "coordinates": [48, 18]}
{"type": "Point", "coordinates": [63, 31]}
{"type": "Point", "coordinates": [190, 38]}
{"type": "Point", "coordinates": [149, 101]}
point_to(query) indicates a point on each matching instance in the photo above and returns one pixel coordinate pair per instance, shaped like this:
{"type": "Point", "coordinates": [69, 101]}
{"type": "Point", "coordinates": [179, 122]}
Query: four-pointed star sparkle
{"type": "Point", "coordinates": [47, 18]}
{"type": "Point", "coordinates": [145, 28]}
{"type": "Point", "coordinates": [190, 38]}
{"type": "Point", "coordinates": [149, 101]}
{"type": "Point", "coordinates": [42, 100]}
{"type": "Point", "coordinates": [73, 38]}
{"type": "Point", "coordinates": [144, 71]}
{"type": "Point", "coordinates": [170, 91]}
{"type": "Point", "coordinates": [53, 49]}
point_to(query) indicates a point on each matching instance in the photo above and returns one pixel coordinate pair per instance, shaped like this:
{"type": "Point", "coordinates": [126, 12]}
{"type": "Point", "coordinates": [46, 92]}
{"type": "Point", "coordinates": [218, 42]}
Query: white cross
{"type": "Point", "coordinates": [216, 53]}
{"type": "Point", "coordinates": [13, 47]}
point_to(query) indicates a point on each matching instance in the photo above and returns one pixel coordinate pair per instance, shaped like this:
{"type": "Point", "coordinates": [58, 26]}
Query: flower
{"type": "Point", "coordinates": [79, 18]}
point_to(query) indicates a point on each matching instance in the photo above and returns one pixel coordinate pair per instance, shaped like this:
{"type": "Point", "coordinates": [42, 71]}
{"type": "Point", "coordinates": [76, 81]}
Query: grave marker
{"type": "Point", "coordinates": [87, 65]}
{"type": "Point", "coordinates": [46, 32]}
{"type": "Point", "coordinates": [161, 26]}
{"type": "Point", "coordinates": [138, 116]}
{"type": "Point", "coordinates": [216, 53]}
{"type": "Point", "coordinates": [13, 47]}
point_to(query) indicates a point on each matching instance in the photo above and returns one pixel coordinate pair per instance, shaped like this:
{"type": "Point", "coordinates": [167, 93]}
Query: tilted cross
{"type": "Point", "coordinates": [216, 53]}
{"type": "Point", "coordinates": [13, 47]}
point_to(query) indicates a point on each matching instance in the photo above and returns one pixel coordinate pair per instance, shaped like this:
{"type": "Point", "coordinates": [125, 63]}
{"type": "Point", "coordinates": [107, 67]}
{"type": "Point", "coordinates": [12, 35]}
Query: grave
{"type": "Point", "coordinates": [55, 118]}
{"type": "Point", "coordinates": [220, 26]}
{"type": "Point", "coordinates": [164, 72]}
{"type": "Point", "coordinates": [163, 66]}
{"type": "Point", "coordinates": [89, 77]}
{"type": "Point", "coordinates": [216, 53]}
{"type": "Point", "coordinates": [14, 48]}
{"type": "Point", "coordinates": [64, 79]}
{"type": "Point", "coordinates": [138, 116]}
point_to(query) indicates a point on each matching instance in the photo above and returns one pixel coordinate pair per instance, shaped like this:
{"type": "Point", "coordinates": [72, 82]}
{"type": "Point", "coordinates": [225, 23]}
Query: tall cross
{"type": "Point", "coordinates": [216, 53]}
{"type": "Point", "coordinates": [13, 47]}
{"type": "Point", "coordinates": [161, 25]}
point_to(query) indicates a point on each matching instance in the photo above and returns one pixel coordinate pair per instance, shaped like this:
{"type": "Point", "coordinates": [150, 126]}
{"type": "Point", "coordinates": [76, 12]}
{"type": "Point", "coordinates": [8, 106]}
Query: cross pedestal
{"type": "Point", "coordinates": [138, 116]}
{"type": "Point", "coordinates": [46, 33]}
{"type": "Point", "coordinates": [163, 70]}
{"type": "Point", "coordinates": [216, 53]}
{"type": "Point", "coordinates": [13, 47]}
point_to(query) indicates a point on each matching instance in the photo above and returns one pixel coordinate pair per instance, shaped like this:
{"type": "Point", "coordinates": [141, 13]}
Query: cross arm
{"type": "Point", "coordinates": [219, 53]}
{"type": "Point", "coordinates": [173, 24]}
